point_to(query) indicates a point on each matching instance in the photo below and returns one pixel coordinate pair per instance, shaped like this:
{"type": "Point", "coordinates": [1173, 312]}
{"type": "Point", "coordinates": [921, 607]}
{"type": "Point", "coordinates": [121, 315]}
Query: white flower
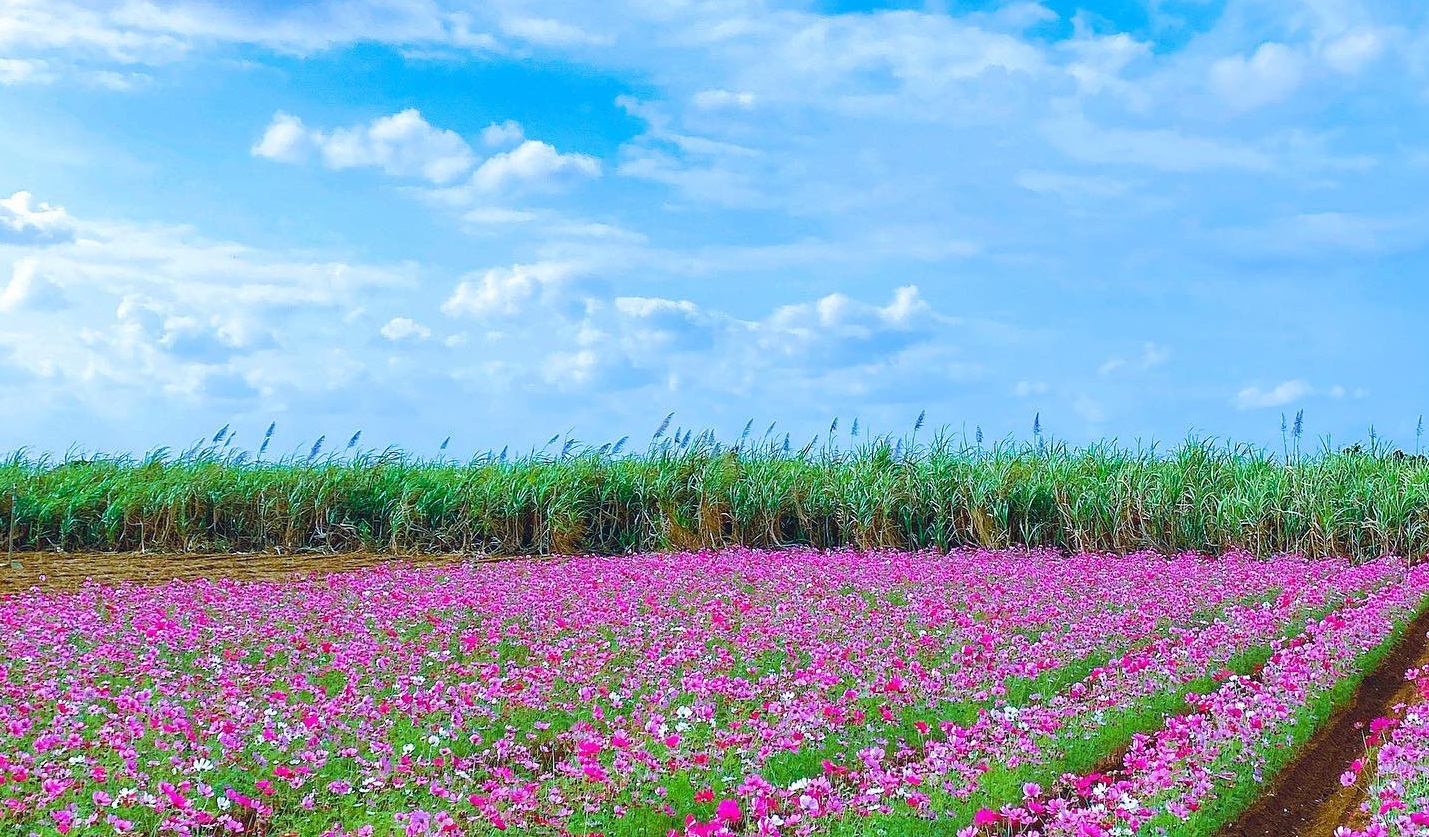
{"type": "Point", "coordinates": [223, 802]}
{"type": "Point", "coordinates": [202, 765]}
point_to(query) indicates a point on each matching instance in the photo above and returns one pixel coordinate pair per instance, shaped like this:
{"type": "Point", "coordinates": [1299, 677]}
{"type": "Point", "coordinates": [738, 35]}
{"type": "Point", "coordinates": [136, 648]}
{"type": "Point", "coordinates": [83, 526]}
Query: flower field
{"type": "Point", "coordinates": [1398, 799]}
{"type": "Point", "coordinates": [711, 693]}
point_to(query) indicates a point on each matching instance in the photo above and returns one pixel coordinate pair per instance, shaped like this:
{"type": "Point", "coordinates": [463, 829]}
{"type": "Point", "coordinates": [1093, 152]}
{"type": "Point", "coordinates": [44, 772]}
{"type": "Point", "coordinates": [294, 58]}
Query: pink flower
{"type": "Point", "coordinates": [728, 811]}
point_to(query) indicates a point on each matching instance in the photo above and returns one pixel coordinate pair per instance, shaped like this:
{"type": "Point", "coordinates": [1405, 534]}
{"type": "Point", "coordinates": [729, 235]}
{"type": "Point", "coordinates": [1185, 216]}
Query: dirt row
{"type": "Point", "coordinates": [68, 571]}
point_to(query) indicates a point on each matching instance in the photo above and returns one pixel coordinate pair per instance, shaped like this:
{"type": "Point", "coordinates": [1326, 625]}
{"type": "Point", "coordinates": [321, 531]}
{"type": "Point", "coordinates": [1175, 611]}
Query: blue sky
{"type": "Point", "coordinates": [503, 220]}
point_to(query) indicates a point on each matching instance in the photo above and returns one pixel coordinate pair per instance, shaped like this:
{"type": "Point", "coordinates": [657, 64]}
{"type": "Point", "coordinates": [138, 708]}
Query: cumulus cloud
{"type": "Point", "coordinates": [573, 333]}
{"type": "Point", "coordinates": [399, 329]}
{"type": "Point", "coordinates": [406, 145]}
{"type": "Point", "coordinates": [507, 291]}
{"type": "Point", "coordinates": [403, 145]}
{"type": "Point", "coordinates": [25, 222]}
{"type": "Point", "coordinates": [840, 315]}
{"type": "Point", "coordinates": [286, 140]}
{"type": "Point", "coordinates": [1285, 392]}
{"type": "Point", "coordinates": [27, 291]}
{"type": "Point", "coordinates": [501, 134]}
{"type": "Point", "coordinates": [533, 164]}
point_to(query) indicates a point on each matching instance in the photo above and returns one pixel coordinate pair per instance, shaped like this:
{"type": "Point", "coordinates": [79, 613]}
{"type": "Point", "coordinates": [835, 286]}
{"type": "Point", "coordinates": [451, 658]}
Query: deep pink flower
{"type": "Point", "coordinates": [728, 811]}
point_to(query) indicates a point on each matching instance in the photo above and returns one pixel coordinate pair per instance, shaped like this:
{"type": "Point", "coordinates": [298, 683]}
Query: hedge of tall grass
{"type": "Point", "coordinates": [682, 494]}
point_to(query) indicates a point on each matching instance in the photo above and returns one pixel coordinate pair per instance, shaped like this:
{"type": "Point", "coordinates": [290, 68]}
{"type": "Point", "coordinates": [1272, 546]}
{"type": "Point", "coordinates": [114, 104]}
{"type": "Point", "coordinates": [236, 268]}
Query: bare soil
{"type": "Point", "coordinates": [68, 571]}
{"type": "Point", "coordinates": [1306, 799]}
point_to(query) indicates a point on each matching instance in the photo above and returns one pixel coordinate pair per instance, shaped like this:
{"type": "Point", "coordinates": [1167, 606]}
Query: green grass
{"type": "Point", "coordinates": [1199, 496]}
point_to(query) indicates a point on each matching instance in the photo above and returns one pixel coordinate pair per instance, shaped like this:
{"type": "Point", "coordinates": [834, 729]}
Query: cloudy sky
{"type": "Point", "coordinates": [502, 220]}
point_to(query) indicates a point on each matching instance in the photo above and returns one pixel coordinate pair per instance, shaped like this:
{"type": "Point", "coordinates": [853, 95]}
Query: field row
{"type": "Point", "coordinates": [711, 693]}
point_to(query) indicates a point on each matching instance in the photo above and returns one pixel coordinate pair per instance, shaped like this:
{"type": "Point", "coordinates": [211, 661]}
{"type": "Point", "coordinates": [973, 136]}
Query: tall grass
{"type": "Point", "coordinates": [688, 493]}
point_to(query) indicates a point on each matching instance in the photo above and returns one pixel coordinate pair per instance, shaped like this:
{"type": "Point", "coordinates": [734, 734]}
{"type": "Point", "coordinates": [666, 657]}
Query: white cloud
{"type": "Point", "coordinates": [403, 145]}
{"type": "Point", "coordinates": [399, 329]}
{"type": "Point", "coordinates": [501, 134]}
{"type": "Point", "coordinates": [557, 326]}
{"type": "Point", "coordinates": [406, 145]}
{"type": "Point", "coordinates": [120, 82]}
{"type": "Point", "coordinates": [209, 319]}
{"type": "Point", "coordinates": [27, 291]}
{"type": "Point", "coordinates": [1098, 62]}
{"type": "Point", "coordinates": [22, 221]}
{"type": "Point", "coordinates": [534, 164]}
{"type": "Point", "coordinates": [717, 99]}
{"type": "Point", "coordinates": [286, 140]}
{"type": "Point", "coordinates": [1270, 74]}
{"type": "Point", "coordinates": [1024, 389]}
{"type": "Point", "coordinates": [841, 315]}
{"type": "Point", "coordinates": [549, 32]}
{"type": "Point", "coordinates": [1354, 50]}
{"type": "Point", "coordinates": [508, 291]}
{"type": "Point", "coordinates": [1286, 392]}
{"type": "Point", "coordinates": [155, 33]}
{"type": "Point", "coordinates": [20, 70]}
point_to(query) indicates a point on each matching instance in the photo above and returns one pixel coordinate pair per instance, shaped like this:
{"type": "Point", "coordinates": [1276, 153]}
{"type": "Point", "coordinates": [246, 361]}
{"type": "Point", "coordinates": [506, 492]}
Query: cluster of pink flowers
{"type": "Point", "coordinates": [737, 692]}
{"type": "Point", "coordinates": [1398, 797]}
{"type": "Point", "coordinates": [1228, 732]}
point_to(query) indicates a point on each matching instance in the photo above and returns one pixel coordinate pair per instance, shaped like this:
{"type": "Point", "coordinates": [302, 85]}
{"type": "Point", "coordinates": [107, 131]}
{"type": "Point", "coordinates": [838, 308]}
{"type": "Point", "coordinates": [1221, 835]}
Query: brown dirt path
{"type": "Point", "coordinates": [67, 571]}
{"type": "Point", "coordinates": [1306, 799]}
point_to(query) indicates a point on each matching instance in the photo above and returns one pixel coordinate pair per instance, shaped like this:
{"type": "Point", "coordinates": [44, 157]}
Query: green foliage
{"type": "Point", "coordinates": [1200, 496]}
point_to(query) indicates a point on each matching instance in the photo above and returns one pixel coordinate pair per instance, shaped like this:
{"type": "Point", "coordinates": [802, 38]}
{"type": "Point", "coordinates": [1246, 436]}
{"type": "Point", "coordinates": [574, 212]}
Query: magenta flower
{"type": "Point", "coordinates": [728, 811]}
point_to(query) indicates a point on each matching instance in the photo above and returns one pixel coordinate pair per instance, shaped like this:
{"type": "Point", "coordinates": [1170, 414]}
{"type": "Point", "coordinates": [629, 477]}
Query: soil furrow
{"type": "Point", "coordinates": [68, 571]}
